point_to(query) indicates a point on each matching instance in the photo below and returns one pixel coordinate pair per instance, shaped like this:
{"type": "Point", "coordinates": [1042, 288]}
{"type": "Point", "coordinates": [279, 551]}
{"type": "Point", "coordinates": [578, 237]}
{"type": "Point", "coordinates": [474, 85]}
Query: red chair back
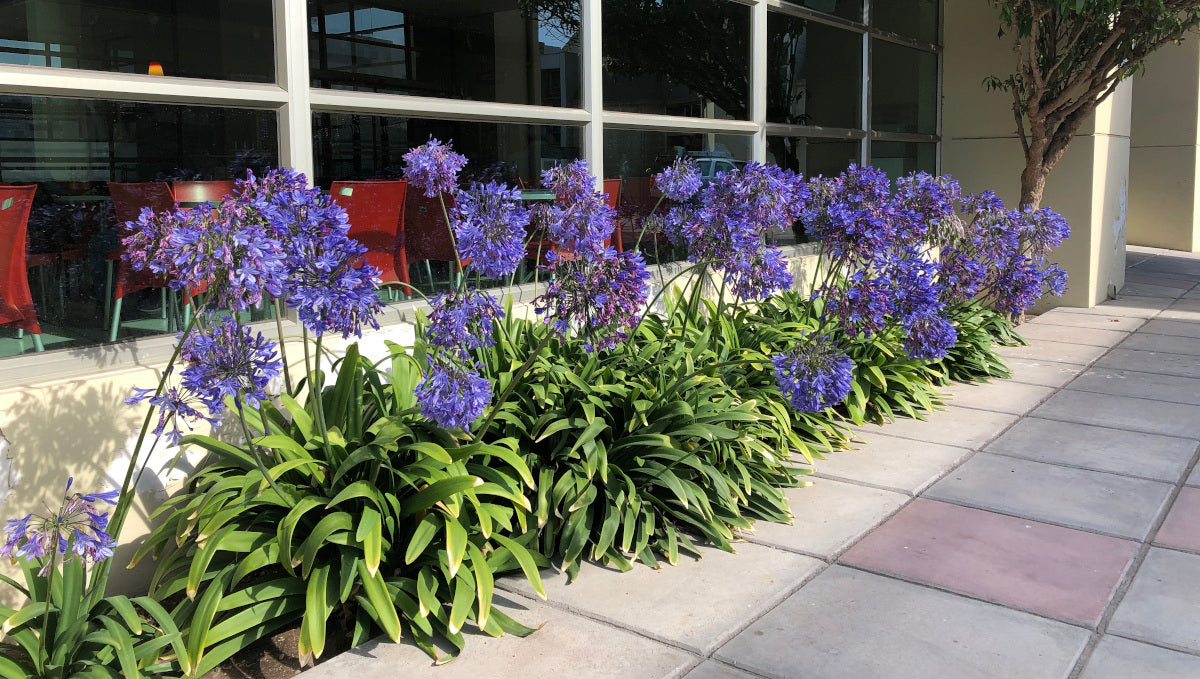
{"type": "Point", "coordinates": [425, 233]}
{"type": "Point", "coordinates": [128, 201]}
{"type": "Point", "coordinates": [376, 213]}
{"type": "Point", "coordinates": [16, 301]}
{"type": "Point", "coordinates": [203, 191]}
{"type": "Point", "coordinates": [612, 195]}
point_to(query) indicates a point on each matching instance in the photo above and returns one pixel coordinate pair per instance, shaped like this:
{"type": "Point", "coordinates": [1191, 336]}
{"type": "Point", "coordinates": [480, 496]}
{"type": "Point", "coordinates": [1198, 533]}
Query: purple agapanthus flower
{"type": "Point", "coordinates": [227, 360]}
{"type": "Point", "coordinates": [453, 395]}
{"type": "Point", "coordinates": [176, 406]}
{"type": "Point", "coordinates": [928, 336]}
{"type": "Point", "coordinates": [570, 183]}
{"type": "Point", "coordinates": [599, 298]}
{"type": "Point", "coordinates": [79, 528]}
{"type": "Point", "coordinates": [813, 376]}
{"type": "Point", "coordinates": [434, 167]}
{"type": "Point", "coordinates": [461, 321]}
{"type": "Point", "coordinates": [861, 305]}
{"type": "Point", "coordinates": [680, 181]}
{"type": "Point", "coordinates": [146, 244]}
{"type": "Point", "coordinates": [489, 225]}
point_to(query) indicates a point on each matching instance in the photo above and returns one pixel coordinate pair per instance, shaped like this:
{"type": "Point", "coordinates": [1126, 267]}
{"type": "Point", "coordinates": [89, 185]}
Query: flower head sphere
{"type": "Point", "coordinates": [601, 298]}
{"type": "Point", "coordinates": [79, 528]}
{"type": "Point", "coordinates": [813, 376]}
{"type": "Point", "coordinates": [462, 322]}
{"type": "Point", "coordinates": [928, 336]}
{"type": "Point", "coordinates": [176, 406]}
{"type": "Point", "coordinates": [680, 181]}
{"type": "Point", "coordinates": [434, 167]}
{"type": "Point", "coordinates": [227, 360]}
{"type": "Point", "coordinates": [570, 183]}
{"type": "Point", "coordinates": [489, 226]}
{"type": "Point", "coordinates": [146, 243]}
{"type": "Point", "coordinates": [453, 395]}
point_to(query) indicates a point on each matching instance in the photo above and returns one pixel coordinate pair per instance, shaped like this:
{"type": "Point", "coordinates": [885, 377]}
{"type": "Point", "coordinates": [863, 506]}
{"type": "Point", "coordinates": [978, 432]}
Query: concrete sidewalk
{"type": "Point", "coordinates": [1047, 526]}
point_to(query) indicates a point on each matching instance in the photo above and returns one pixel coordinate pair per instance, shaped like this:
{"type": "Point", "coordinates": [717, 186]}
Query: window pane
{"type": "Point", "coordinates": [220, 39]}
{"type": "Point", "coordinates": [814, 73]}
{"type": "Point", "coordinates": [915, 18]}
{"type": "Point", "coordinates": [71, 149]}
{"type": "Point", "coordinates": [903, 89]}
{"type": "Point", "coordinates": [899, 158]}
{"type": "Point", "coordinates": [351, 147]}
{"type": "Point", "coordinates": [677, 58]}
{"type": "Point", "coordinates": [635, 156]}
{"type": "Point", "coordinates": [846, 9]}
{"type": "Point", "coordinates": [812, 157]}
{"type": "Point", "coordinates": [510, 51]}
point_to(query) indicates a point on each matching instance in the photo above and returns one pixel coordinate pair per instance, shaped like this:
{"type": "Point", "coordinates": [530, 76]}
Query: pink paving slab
{"type": "Point", "coordinates": [1050, 570]}
{"type": "Point", "coordinates": [1181, 530]}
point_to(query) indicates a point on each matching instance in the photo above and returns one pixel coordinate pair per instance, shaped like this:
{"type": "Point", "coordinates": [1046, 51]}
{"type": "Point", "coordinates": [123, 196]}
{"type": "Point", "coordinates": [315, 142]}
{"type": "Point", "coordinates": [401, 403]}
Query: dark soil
{"type": "Point", "coordinates": [272, 658]}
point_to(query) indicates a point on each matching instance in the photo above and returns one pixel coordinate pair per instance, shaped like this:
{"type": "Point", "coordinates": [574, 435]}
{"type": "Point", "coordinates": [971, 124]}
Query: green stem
{"type": "Point", "coordinates": [319, 402]}
{"type": "Point", "coordinates": [46, 615]}
{"type": "Point", "coordinates": [508, 389]}
{"type": "Point", "coordinates": [641, 235]}
{"type": "Point", "coordinates": [254, 452]}
{"type": "Point", "coordinates": [287, 375]}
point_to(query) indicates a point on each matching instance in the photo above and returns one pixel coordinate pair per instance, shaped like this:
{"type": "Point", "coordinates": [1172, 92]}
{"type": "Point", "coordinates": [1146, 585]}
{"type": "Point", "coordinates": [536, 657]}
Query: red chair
{"type": "Point", "coordinates": [16, 300]}
{"type": "Point", "coordinates": [425, 236]}
{"type": "Point", "coordinates": [612, 195]}
{"type": "Point", "coordinates": [202, 191]}
{"type": "Point", "coordinates": [376, 213]}
{"type": "Point", "coordinates": [539, 243]}
{"type": "Point", "coordinates": [128, 201]}
{"type": "Point", "coordinates": [638, 197]}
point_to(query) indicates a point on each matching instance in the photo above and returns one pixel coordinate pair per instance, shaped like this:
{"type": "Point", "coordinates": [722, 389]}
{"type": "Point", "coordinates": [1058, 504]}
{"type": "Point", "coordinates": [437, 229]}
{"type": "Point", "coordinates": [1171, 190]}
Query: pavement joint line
{"type": "Point", "coordinates": [1155, 643]}
{"type": "Point", "coordinates": [1081, 390]}
{"type": "Point", "coordinates": [1148, 373]}
{"type": "Point", "coordinates": [1173, 548]}
{"type": "Point", "coordinates": [1060, 420]}
{"type": "Point", "coordinates": [1026, 517]}
{"type": "Point", "coordinates": [865, 484]}
{"type": "Point", "coordinates": [1135, 565]}
{"type": "Point", "coordinates": [967, 595]}
{"type": "Point", "coordinates": [739, 668]}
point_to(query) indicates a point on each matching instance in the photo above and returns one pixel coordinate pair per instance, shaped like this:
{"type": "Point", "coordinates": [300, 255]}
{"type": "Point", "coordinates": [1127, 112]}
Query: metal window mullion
{"type": "Point", "coordinates": [593, 85]}
{"type": "Point", "coordinates": [815, 131]}
{"type": "Point", "coordinates": [291, 73]}
{"type": "Point", "coordinates": [941, 55]}
{"type": "Point", "coordinates": [865, 150]}
{"type": "Point", "coordinates": [654, 121]}
{"type": "Point", "coordinates": [815, 16]}
{"type": "Point", "coordinates": [377, 103]}
{"type": "Point", "coordinates": [758, 80]}
{"type": "Point", "coordinates": [45, 81]}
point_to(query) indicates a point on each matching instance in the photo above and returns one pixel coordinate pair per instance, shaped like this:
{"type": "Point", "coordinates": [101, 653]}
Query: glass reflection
{"type": "Point", "coordinates": [903, 89]}
{"type": "Point", "coordinates": [814, 73]}
{"type": "Point", "coordinates": [914, 18]}
{"type": "Point", "coordinates": [510, 51]}
{"type": "Point", "coordinates": [71, 149]}
{"type": "Point", "coordinates": [846, 9]}
{"type": "Point", "coordinates": [811, 157]}
{"type": "Point", "coordinates": [899, 158]}
{"type": "Point", "coordinates": [219, 39]}
{"type": "Point", "coordinates": [677, 58]}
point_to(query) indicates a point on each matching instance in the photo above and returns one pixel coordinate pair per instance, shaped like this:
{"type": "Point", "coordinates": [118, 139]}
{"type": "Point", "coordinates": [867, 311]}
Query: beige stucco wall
{"type": "Point", "coordinates": [1164, 208]}
{"type": "Point", "coordinates": [981, 149]}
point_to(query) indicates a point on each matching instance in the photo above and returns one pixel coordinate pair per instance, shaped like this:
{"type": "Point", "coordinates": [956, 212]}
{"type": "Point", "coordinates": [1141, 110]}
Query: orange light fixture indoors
{"type": "Point", "coordinates": [155, 68]}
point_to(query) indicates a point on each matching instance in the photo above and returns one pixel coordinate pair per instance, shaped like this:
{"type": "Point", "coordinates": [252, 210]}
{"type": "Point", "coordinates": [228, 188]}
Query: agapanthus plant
{"type": "Point", "coordinates": [77, 529]}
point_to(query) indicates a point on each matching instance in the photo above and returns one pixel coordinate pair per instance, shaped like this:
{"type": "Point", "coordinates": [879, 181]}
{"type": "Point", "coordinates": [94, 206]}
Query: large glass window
{"type": "Point", "coordinates": [814, 73]}
{"type": "Point", "coordinates": [899, 158]}
{"type": "Point", "coordinates": [219, 39]}
{"type": "Point", "coordinates": [846, 9]}
{"type": "Point", "coordinates": [903, 89]}
{"type": "Point", "coordinates": [355, 147]}
{"type": "Point", "coordinates": [511, 51]}
{"type": "Point", "coordinates": [71, 149]}
{"type": "Point", "coordinates": [914, 18]}
{"type": "Point", "coordinates": [812, 157]}
{"type": "Point", "coordinates": [677, 57]}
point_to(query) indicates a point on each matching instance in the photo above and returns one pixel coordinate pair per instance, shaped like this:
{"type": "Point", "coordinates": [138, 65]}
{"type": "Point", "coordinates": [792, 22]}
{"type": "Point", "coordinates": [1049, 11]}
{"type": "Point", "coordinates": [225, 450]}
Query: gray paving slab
{"type": "Point", "coordinates": [697, 604]}
{"type": "Point", "coordinates": [1185, 309]}
{"type": "Point", "coordinates": [953, 426]}
{"type": "Point", "coordinates": [1117, 658]}
{"type": "Point", "coordinates": [1141, 307]}
{"type": "Point", "coordinates": [1184, 266]}
{"type": "Point", "coordinates": [1072, 335]}
{"type": "Point", "coordinates": [1002, 396]}
{"type": "Point", "coordinates": [899, 464]}
{"type": "Point", "coordinates": [1153, 362]}
{"type": "Point", "coordinates": [1153, 386]}
{"type": "Point", "coordinates": [1159, 326]}
{"type": "Point", "coordinates": [1068, 319]}
{"type": "Point", "coordinates": [1057, 352]}
{"type": "Point", "coordinates": [1169, 280]}
{"type": "Point", "coordinates": [711, 669]}
{"type": "Point", "coordinates": [1194, 478]}
{"type": "Point", "coordinates": [830, 516]}
{"type": "Point", "coordinates": [1077, 498]}
{"type": "Point", "coordinates": [1162, 458]}
{"type": "Point", "coordinates": [1123, 412]}
{"type": "Point", "coordinates": [1162, 605]}
{"type": "Point", "coordinates": [848, 623]}
{"type": "Point", "coordinates": [566, 645]}
{"type": "Point", "coordinates": [1167, 344]}
{"type": "Point", "coordinates": [1045, 373]}
{"type": "Point", "coordinates": [1151, 290]}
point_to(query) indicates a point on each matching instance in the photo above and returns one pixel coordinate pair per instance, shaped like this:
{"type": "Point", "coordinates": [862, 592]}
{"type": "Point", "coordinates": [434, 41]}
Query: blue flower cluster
{"type": "Point", "coordinates": [451, 394]}
{"type": "Point", "coordinates": [726, 224]}
{"type": "Point", "coordinates": [78, 529]}
{"type": "Point", "coordinates": [489, 226]}
{"type": "Point", "coordinates": [680, 181]}
{"type": "Point", "coordinates": [814, 376]}
{"type": "Point", "coordinates": [434, 167]}
{"type": "Point", "coordinates": [461, 321]}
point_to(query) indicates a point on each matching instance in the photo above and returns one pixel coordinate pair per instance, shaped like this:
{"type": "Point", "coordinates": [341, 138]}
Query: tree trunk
{"type": "Point", "coordinates": [1033, 183]}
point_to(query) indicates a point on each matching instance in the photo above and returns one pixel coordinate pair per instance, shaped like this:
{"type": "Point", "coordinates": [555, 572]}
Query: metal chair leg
{"type": "Point", "coordinates": [37, 343]}
{"type": "Point", "coordinates": [116, 320]}
{"type": "Point", "coordinates": [108, 293]}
